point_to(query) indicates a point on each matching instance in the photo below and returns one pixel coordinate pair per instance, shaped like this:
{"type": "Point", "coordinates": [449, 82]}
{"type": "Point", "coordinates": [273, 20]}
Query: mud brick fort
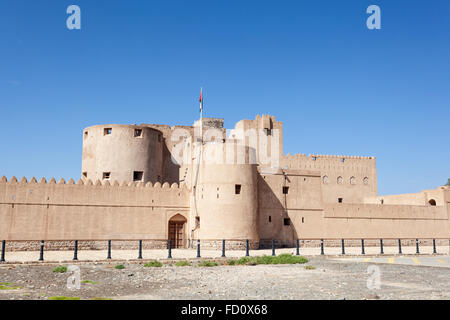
{"type": "Point", "coordinates": [156, 182]}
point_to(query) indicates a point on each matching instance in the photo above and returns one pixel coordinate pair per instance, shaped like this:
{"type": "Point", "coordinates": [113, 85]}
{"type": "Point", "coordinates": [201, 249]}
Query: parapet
{"type": "Point", "coordinates": [88, 182]}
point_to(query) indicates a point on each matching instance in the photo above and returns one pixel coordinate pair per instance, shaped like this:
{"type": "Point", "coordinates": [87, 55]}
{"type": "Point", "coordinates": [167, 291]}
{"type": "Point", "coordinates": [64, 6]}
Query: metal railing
{"type": "Point", "coordinates": [273, 246]}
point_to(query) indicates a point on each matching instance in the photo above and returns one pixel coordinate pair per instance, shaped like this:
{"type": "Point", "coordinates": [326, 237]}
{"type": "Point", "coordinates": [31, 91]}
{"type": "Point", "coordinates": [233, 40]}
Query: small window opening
{"type": "Point", "coordinates": [86, 134]}
{"type": "Point", "coordinates": [197, 222]}
{"type": "Point", "coordinates": [287, 221]}
{"type": "Point", "coordinates": [340, 200]}
{"type": "Point", "coordinates": [237, 189]}
{"type": "Point", "coordinates": [106, 175]}
{"type": "Point", "coordinates": [342, 159]}
{"type": "Point", "coordinates": [138, 175]}
{"type": "Point", "coordinates": [303, 219]}
{"type": "Point", "coordinates": [270, 218]}
{"type": "Point", "coordinates": [84, 174]}
{"type": "Point", "coordinates": [107, 131]}
{"type": "Point", "coordinates": [382, 201]}
{"type": "Point", "coordinates": [432, 202]}
{"type": "Point", "coordinates": [137, 133]}
{"type": "Point", "coordinates": [285, 190]}
{"type": "Point", "coordinates": [268, 131]}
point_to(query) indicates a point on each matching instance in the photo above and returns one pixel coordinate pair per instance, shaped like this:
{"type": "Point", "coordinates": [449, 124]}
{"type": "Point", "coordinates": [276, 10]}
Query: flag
{"type": "Point", "coordinates": [201, 99]}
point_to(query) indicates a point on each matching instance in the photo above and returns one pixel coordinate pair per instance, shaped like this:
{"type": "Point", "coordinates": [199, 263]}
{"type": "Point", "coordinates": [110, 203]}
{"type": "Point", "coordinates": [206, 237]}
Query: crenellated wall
{"type": "Point", "coordinates": [88, 211]}
{"type": "Point", "coordinates": [350, 178]}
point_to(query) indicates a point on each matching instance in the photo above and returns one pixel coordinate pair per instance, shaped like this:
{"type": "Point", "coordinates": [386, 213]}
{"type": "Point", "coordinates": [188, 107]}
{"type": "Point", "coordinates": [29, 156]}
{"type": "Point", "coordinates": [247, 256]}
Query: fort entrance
{"type": "Point", "coordinates": [177, 231]}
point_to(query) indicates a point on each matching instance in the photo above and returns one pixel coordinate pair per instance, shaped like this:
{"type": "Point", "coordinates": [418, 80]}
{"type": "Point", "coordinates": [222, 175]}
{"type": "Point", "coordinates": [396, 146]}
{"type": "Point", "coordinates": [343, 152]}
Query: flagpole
{"type": "Point", "coordinates": [201, 116]}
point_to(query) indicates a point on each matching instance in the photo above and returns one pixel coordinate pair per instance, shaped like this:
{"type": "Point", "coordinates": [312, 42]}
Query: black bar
{"type": "Point", "coordinates": [297, 247]}
{"type": "Point", "coordinates": [381, 246]}
{"type": "Point", "coordinates": [41, 253]}
{"type": "Point", "coordinates": [223, 248]}
{"type": "Point", "coordinates": [343, 247]}
{"type": "Point", "coordinates": [2, 259]}
{"type": "Point", "coordinates": [140, 249]}
{"type": "Point", "coordinates": [362, 246]}
{"type": "Point", "coordinates": [321, 247]}
{"type": "Point", "coordinates": [75, 250]}
{"type": "Point", "coordinates": [273, 247]}
{"type": "Point", "coordinates": [399, 246]}
{"type": "Point", "coordinates": [246, 248]}
{"type": "Point", "coordinates": [169, 256]}
{"type": "Point", "coordinates": [109, 250]}
{"type": "Point", "coordinates": [198, 248]}
{"type": "Point", "coordinates": [434, 246]}
{"type": "Point", "coordinates": [417, 246]}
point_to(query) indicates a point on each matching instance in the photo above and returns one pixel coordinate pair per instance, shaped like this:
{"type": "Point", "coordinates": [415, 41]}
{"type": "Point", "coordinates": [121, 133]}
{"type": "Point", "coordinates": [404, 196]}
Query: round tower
{"type": "Point", "coordinates": [227, 198]}
{"type": "Point", "coordinates": [122, 153]}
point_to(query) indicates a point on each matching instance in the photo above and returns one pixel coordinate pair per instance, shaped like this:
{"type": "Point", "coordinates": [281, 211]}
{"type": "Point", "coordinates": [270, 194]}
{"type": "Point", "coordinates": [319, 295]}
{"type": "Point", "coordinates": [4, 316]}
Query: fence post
{"type": "Point", "coordinates": [273, 247]}
{"type": "Point", "coordinates": [109, 250]}
{"type": "Point", "coordinates": [343, 247]}
{"type": "Point", "coordinates": [399, 246]}
{"type": "Point", "coordinates": [362, 246]}
{"type": "Point", "coordinates": [140, 249]}
{"type": "Point", "coordinates": [169, 256]}
{"type": "Point", "coordinates": [321, 247]}
{"type": "Point", "coordinates": [223, 248]}
{"type": "Point", "coordinates": [2, 259]}
{"type": "Point", "coordinates": [434, 246]}
{"type": "Point", "coordinates": [75, 250]}
{"type": "Point", "coordinates": [41, 252]}
{"type": "Point", "coordinates": [381, 246]}
{"type": "Point", "coordinates": [198, 248]}
{"type": "Point", "coordinates": [417, 246]}
{"type": "Point", "coordinates": [297, 247]}
{"type": "Point", "coordinates": [246, 248]}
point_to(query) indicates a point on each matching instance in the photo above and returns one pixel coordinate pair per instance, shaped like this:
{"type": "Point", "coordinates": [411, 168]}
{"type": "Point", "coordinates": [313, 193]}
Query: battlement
{"type": "Point", "coordinates": [88, 182]}
{"type": "Point", "coordinates": [321, 156]}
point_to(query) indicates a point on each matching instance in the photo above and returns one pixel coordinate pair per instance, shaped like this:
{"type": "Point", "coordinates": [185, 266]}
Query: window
{"type": "Point", "coordinates": [86, 134]}
{"type": "Point", "coordinates": [84, 174]}
{"type": "Point", "coordinates": [382, 201]}
{"type": "Point", "coordinates": [432, 202]}
{"type": "Point", "coordinates": [237, 189]}
{"type": "Point", "coordinates": [325, 179]}
{"type": "Point", "coordinates": [138, 175]}
{"type": "Point", "coordinates": [340, 200]}
{"type": "Point", "coordinates": [352, 180]}
{"type": "Point", "coordinates": [287, 221]}
{"type": "Point", "coordinates": [270, 218]}
{"type": "Point", "coordinates": [339, 180]}
{"type": "Point", "coordinates": [342, 159]}
{"type": "Point", "coordinates": [197, 222]}
{"type": "Point", "coordinates": [285, 190]}
{"type": "Point", "coordinates": [106, 175]}
{"type": "Point", "coordinates": [137, 133]}
{"type": "Point", "coordinates": [303, 219]}
{"type": "Point", "coordinates": [366, 181]}
{"type": "Point", "coordinates": [267, 131]}
{"type": "Point", "coordinates": [107, 131]}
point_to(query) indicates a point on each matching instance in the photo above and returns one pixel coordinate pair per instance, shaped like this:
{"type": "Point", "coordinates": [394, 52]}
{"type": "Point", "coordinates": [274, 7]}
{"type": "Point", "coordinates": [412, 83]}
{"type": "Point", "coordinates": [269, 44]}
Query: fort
{"type": "Point", "coordinates": [156, 182]}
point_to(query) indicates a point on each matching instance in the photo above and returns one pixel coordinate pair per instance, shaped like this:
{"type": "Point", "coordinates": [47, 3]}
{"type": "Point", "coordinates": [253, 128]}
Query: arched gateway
{"type": "Point", "coordinates": [177, 231]}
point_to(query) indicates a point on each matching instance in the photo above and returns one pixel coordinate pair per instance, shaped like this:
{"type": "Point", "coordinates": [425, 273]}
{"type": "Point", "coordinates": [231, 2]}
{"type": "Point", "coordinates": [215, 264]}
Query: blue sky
{"type": "Point", "coordinates": [339, 87]}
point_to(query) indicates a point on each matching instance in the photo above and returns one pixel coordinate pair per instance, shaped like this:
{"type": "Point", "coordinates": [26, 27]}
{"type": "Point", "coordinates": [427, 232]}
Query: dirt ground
{"type": "Point", "coordinates": [326, 279]}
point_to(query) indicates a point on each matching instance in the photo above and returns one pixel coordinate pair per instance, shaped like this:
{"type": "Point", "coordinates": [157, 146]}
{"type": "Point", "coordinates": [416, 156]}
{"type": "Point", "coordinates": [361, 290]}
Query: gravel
{"type": "Point", "coordinates": [331, 279]}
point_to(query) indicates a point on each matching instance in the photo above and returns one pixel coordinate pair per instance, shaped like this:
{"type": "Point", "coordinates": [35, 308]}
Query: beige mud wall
{"type": "Point", "coordinates": [362, 169]}
{"type": "Point", "coordinates": [51, 211]}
